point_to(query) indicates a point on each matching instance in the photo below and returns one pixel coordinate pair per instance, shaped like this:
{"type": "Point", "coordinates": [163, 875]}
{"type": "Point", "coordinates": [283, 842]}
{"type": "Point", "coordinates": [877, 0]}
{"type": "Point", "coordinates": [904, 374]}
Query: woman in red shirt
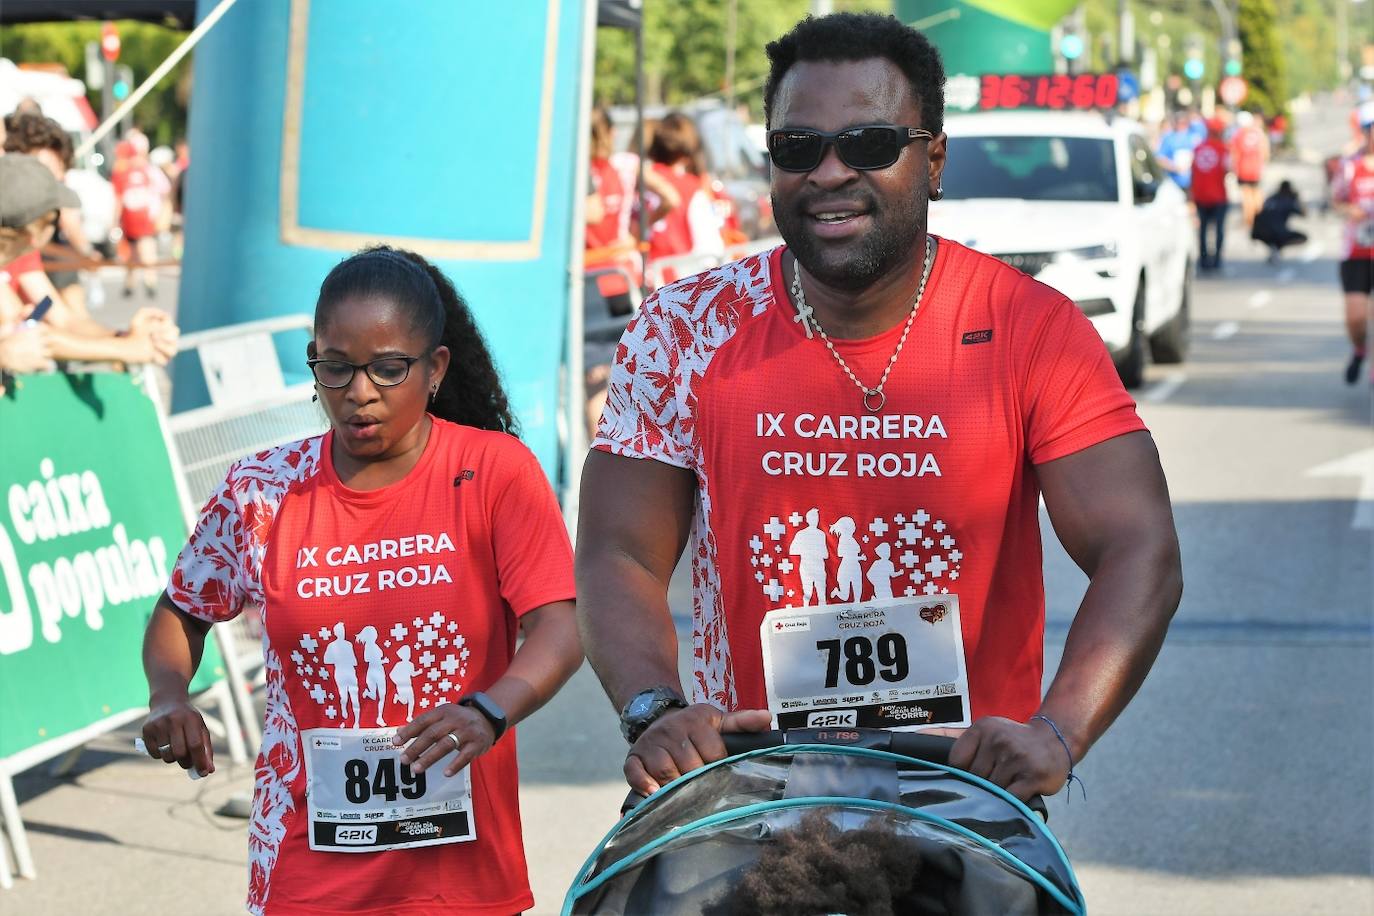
{"type": "Point", "coordinates": [394, 560]}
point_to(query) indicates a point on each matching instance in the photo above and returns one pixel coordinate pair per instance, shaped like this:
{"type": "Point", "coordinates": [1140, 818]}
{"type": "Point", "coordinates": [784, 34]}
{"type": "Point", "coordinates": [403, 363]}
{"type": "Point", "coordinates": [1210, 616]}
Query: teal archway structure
{"type": "Point", "coordinates": [321, 126]}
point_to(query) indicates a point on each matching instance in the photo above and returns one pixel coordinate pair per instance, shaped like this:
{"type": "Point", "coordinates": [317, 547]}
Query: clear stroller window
{"type": "Point", "coordinates": [724, 839]}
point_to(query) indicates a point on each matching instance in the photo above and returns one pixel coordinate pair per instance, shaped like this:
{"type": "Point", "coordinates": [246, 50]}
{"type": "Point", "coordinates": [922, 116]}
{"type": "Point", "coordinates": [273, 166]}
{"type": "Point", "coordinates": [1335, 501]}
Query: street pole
{"type": "Point", "coordinates": [1230, 44]}
{"type": "Point", "coordinates": [1342, 42]}
{"type": "Point", "coordinates": [107, 104]}
{"type": "Point", "coordinates": [731, 9]}
{"type": "Point", "coordinates": [1125, 33]}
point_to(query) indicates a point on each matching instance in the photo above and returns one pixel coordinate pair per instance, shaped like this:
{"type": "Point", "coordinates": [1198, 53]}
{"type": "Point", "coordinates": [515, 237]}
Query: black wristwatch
{"type": "Point", "coordinates": [645, 708]}
{"type": "Point", "coordinates": [489, 710]}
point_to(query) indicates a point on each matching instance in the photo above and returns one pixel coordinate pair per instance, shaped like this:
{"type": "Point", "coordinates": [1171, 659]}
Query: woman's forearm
{"type": "Point", "coordinates": [172, 648]}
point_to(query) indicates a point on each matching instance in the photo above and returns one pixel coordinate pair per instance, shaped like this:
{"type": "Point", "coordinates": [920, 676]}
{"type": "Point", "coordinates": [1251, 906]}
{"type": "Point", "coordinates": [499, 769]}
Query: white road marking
{"type": "Point", "coordinates": [1225, 329]}
{"type": "Point", "coordinates": [1260, 299]}
{"type": "Point", "coordinates": [1311, 251]}
{"type": "Point", "coordinates": [1165, 388]}
{"type": "Point", "coordinates": [1357, 464]}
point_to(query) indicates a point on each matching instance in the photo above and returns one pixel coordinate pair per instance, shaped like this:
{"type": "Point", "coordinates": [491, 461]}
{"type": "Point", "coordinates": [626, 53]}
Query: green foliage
{"type": "Point", "coordinates": [685, 49]}
{"type": "Point", "coordinates": [162, 114]}
{"type": "Point", "coordinates": [1265, 70]}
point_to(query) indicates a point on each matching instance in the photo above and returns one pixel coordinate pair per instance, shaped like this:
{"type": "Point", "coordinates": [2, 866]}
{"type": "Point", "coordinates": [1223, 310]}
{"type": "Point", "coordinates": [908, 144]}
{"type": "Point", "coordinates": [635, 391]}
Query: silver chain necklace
{"type": "Point", "coordinates": [874, 399]}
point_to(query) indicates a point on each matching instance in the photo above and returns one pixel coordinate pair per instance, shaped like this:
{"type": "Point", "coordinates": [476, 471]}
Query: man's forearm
{"type": "Point", "coordinates": [627, 628]}
{"type": "Point", "coordinates": [1115, 637]}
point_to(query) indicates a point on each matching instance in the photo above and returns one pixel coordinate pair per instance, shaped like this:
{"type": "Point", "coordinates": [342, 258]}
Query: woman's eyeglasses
{"type": "Point", "coordinates": [386, 372]}
{"type": "Point", "coordinates": [876, 146]}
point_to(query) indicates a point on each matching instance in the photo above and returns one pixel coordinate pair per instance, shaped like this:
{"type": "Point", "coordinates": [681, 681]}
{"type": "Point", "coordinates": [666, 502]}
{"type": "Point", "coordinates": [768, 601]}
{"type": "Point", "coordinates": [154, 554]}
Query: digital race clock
{"type": "Point", "coordinates": [1054, 91]}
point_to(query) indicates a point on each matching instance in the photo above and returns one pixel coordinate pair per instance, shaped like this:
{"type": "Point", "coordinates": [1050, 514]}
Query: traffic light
{"type": "Point", "coordinates": [109, 41]}
{"type": "Point", "coordinates": [1193, 66]}
{"type": "Point", "coordinates": [1071, 46]}
{"type": "Point", "coordinates": [123, 82]}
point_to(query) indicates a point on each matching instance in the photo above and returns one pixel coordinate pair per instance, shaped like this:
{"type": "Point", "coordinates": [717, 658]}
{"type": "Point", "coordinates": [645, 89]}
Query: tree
{"type": "Point", "coordinates": [685, 49]}
{"type": "Point", "coordinates": [1265, 69]}
{"type": "Point", "coordinates": [162, 115]}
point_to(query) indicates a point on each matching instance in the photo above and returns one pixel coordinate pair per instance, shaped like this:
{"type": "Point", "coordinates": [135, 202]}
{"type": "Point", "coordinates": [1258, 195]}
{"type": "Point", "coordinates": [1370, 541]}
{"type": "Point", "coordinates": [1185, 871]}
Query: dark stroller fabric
{"type": "Point", "coordinates": [686, 850]}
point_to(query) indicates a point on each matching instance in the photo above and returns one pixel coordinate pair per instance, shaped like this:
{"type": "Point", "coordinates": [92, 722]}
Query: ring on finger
{"type": "Point", "coordinates": [163, 748]}
{"type": "Point", "coordinates": [457, 745]}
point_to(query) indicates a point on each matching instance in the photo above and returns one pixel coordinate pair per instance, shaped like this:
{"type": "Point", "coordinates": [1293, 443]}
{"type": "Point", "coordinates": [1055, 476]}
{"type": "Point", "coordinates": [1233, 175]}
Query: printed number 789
{"type": "Point", "coordinates": [859, 667]}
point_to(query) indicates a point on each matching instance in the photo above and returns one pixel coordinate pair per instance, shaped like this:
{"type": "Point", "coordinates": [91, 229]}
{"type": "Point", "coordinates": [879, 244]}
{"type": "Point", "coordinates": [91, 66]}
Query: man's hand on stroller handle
{"type": "Point", "coordinates": [1026, 759]}
{"type": "Point", "coordinates": [684, 739]}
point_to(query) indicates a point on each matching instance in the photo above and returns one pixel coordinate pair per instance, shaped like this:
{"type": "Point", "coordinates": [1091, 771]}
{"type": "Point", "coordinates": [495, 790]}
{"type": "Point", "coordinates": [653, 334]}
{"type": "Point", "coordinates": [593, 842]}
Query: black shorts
{"type": "Point", "coordinates": [1357, 275]}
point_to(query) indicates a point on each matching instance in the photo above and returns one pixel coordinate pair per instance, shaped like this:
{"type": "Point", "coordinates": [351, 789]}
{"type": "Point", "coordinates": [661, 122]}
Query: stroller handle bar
{"type": "Point", "coordinates": [932, 748]}
{"type": "Point", "coordinates": [918, 746]}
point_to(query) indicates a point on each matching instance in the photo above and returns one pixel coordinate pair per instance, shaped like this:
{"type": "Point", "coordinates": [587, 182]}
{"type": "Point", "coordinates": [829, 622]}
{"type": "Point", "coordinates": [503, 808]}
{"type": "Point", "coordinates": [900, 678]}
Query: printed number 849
{"type": "Point", "coordinates": [358, 788]}
{"type": "Point", "coordinates": [859, 667]}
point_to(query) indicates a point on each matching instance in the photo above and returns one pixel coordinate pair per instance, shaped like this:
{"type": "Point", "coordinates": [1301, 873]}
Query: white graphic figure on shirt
{"type": "Point", "coordinates": [882, 572]}
{"type": "Point", "coordinates": [376, 674]}
{"type": "Point", "coordinates": [809, 546]}
{"type": "Point", "coordinates": [849, 577]}
{"type": "Point", "coordinates": [401, 673]}
{"type": "Point", "coordinates": [341, 656]}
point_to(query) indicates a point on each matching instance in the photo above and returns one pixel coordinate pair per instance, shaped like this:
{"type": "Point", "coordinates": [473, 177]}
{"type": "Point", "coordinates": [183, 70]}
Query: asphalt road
{"type": "Point", "coordinates": [1238, 781]}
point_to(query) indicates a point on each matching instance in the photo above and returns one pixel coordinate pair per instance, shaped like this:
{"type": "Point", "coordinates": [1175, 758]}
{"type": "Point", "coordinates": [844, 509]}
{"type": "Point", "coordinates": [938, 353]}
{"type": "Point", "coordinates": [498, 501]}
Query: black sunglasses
{"type": "Point", "coordinates": [386, 372]}
{"type": "Point", "coordinates": [874, 146]}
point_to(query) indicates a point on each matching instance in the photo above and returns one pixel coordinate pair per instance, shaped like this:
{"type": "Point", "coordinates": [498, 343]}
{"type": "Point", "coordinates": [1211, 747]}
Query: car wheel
{"type": "Point", "coordinates": [1170, 343]}
{"type": "Point", "coordinates": [1131, 364]}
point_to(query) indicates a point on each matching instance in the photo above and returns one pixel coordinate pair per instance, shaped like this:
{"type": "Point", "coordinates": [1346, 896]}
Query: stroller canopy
{"type": "Point", "coordinates": [972, 847]}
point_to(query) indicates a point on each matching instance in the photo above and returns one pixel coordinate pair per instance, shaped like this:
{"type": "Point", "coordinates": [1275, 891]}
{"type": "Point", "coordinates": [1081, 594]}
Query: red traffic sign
{"type": "Point", "coordinates": [1233, 90]}
{"type": "Point", "coordinates": [109, 42]}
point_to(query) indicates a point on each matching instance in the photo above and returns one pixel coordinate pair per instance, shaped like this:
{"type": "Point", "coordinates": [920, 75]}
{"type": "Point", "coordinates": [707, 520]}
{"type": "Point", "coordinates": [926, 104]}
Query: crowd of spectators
{"type": "Point", "coordinates": [44, 315]}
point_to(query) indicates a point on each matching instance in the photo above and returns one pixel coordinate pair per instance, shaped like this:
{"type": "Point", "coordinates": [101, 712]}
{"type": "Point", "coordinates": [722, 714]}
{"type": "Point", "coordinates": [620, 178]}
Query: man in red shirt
{"type": "Point", "coordinates": [855, 430]}
{"type": "Point", "coordinates": [1210, 164]}
{"type": "Point", "coordinates": [143, 194]}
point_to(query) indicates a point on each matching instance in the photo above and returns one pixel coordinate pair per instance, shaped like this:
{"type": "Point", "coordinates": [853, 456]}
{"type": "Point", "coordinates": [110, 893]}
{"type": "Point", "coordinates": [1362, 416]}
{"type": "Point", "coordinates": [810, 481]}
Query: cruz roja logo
{"type": "Point", "coordinates": [355, 836]}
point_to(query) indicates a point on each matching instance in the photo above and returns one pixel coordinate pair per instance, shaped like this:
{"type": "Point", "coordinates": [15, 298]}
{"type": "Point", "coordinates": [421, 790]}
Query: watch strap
{"type": "Point", "coordinates": [489, 710]}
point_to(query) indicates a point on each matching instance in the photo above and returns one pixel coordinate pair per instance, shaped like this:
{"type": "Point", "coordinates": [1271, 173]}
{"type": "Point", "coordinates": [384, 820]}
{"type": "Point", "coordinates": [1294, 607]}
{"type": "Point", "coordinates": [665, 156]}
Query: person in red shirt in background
{"type": "Point", "coordinates": [673, 154]}
{"type": "Point", "coordinates": [143, 194]}
{"type": "Point", "coordinates": [1249, 155]}
{"type": "Point", "coordinates": [1353, 191]}
{"type": "Point", "coordinates": [1208, 190]}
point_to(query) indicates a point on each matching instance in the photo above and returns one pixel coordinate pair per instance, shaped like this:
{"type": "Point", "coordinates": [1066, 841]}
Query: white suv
{"type": "Point", "coordinates": [1077, 201]}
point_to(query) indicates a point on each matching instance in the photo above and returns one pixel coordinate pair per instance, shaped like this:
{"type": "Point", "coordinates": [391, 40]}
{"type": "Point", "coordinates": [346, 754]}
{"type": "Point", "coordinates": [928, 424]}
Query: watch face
{"type": "Point", "coordinates": [641, 705]}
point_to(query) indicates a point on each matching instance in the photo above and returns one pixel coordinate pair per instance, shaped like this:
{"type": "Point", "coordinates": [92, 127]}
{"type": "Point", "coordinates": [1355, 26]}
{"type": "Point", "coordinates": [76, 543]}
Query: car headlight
{"type": "Point", "coordinates": [1091, 253]}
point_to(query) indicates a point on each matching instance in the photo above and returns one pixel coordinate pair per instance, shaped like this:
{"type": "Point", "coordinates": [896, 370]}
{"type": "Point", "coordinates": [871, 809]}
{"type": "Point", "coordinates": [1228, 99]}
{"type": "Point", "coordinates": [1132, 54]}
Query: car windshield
{"type": "Point", "coordinates": [1030, 168]}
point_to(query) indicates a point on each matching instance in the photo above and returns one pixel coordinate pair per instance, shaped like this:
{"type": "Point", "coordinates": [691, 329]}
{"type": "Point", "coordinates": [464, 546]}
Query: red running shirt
{"type": "Point", "coordinates": [1248, 151]}
{"type": "Point", "coordinates": [141, 191]}
{"type": "Point", "coordinates": [606, 180]}
{"type": "Point", "coordinates": [1354, 184]}
{"type": "Point", "coordinates": [504, 550]}
{"type": "Point", "coordinates": [1000, 373]}
{"type": "Point", "coordinates": [1209, 173]}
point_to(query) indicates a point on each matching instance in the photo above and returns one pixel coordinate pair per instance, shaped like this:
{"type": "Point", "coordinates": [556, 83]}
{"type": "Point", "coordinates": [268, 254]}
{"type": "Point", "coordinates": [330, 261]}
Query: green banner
{"type": "Point", "coordinates": [984, 36]}
{"type": "Point", "coordinates": [90, 526]}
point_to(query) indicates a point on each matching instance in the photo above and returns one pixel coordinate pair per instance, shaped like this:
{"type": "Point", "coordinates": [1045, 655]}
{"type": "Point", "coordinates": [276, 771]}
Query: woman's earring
{"type": "Point", "coordinates": [937, 194]}
{"type": "Point", "coordinates": [433, 393]}
{"type": "Point", "coordinates": [315, 396]}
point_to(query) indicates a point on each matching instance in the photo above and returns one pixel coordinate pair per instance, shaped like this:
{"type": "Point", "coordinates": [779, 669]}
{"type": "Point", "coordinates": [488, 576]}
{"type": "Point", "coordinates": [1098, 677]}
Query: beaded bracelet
{"type": "Point", "coordinates": [1068, 753]}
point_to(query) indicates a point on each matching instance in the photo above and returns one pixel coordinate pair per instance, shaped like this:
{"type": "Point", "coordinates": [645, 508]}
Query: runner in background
{"type": "Point", "coordinates": [1353, 192]}
{"type": "Point", "coordinates": [868, 385]}
{"type": "Point", "coordinates": [1249, 156]}
{"type": "Point", "coordinates": [419, 537]}
{"type": "Point", "coordinates": [1208, 190]}
{"type": "Point", "coordinates": [143, 194]}
{"type": "Point", "coordinates": [1175, 149]}
{"type": "Point", "coordinates": [1271, 223]}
